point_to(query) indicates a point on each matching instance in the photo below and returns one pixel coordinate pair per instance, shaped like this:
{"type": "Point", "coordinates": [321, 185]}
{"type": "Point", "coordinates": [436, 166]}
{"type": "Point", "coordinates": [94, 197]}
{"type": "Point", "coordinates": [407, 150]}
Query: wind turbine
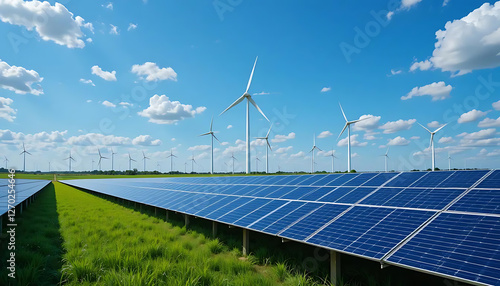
{"type": "Point", "coordinates": [193, 161]}
{"type": "Point", "coordinates": [100, 158]}
{"type": "Point", "coordinates": [449, 162]}
{"type": "Point", "coordinates": [234, 158]}
{"type": "Point", "coordinates": [144, 158]}
{"type": "Point", "coordinates": [249, 100]}
{"type": "Point", "coordinates": [268, 147]}
{"type": "Point", "coordinates": [93, 164]}
{"type": "Point", "coordinates": [433, 154]}
{"type": "Point", "coordinates": [333, 159]}
{"type": "Point", "coordinates": [70, 158]}
{"type": "Point", "coordinates": [257, 160]}
{"type": "Point", "coordinates": [7, 161]}
{"type": "Point", "coordinates": [130, 161]}
{"type": "Point", "coordinates": [348, 126]}
{"type": "Point", "coordinates": [171, 156]}
{"type": "Point", "coordinates": [386, 157]}
{"type": "Point", "coordinates": [213, 136]}
{"type": "Point", "coordinates": [312, 150]}
{"type": "Point", "coordinates": [49, 166]}
{"type": "Point", "coordinates": [112, 159]}
{"type": "Point", "coordinates": [24, 157]}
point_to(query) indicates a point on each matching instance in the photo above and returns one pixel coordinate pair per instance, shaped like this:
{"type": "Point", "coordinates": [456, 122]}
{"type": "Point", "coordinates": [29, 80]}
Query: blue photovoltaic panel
{"type": "Point", "coordinates": [263, 211]}
{"type": "Point", "coordinates": [370, 231]}
{"type": "Point", "coordinates": [234, 204]}
{"type": "Point", "coordinates": [462, 179]}
{"type": "Point", "coordinates": [276, 215]}
{"type": "Point", "coordinates": [335, 194]}
{"type": "Point", "coordinates": [318, 193]}
{"type": "Point", "coordinates": [275, 226]}
{"type": "Point", "coordinates": [298, 193]}
{"type": "Point", "coordinates": [278, 192]}
{"type": "Point", "coordinates": [241, 211]}
{"type": "Point", "coordinates": [311, 180]}
{"type": "Point", "coordinates": [312, 222]}
{"type": "Point", "coordinates": [492, 181]}
{"type": "Point", "coordinates": [327, 179]}
{"type": "Point", "coordinates": [479, 201]}
{"type": "Point", "coordinates": [405, 179]}
{"type": "Point", "coordinates": [380, 179]}
{"type": "Point", "coordinates": [23, 189]}
{"type": "Point", "coordinates": [341, 180]}
{"type": "Point", "coordinates": [413, 197]}
{"type": "Point", "coordinates": [355, 196]}
{"type": "Point", "coordinates": [432, 179]}
{"type": "Point", "coordinates": [360, 179]}
{"type": "Point", "coordinates": [458, 245]}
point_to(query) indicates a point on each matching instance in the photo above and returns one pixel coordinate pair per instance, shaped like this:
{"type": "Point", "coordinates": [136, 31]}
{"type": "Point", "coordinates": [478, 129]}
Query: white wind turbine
{"type": "Point", "coordinates": [333, 159]}
{"type": "Point", "coordinates": [112, 159]}
{"type": "Point", "coordinates": [100, 158]}
{"type": "Point", "coordinates": [257, 160]}
{"type": "Point", "coordinates": [433, 154]}
{"type": "Point", "coordinates": [193, 161]}
{"type": "Point", "coordinates": [130, 162]}
{"type": "Point", "coordinates": [249, 100]}
{"type": "Point", "coordinates": [449, 162]}
{"type": "Point", "coordinates": [144, 158]}
{"type": "Point", "coordinates": [213, 136]}
{"type": "Point", "coordinates": [171, 156]}
{"type": "Point", "coordinates": [6, 162]}
{"type": "Point", "coordinates": [24, 158]}
{"type": "Point", "coordinates": [312, 150]}
{"type": "Point", "coordinates": [70, 158]}
{"type": "Point", "coordinates": [348, 126]}
{"type": "Point", "coordinates": [386, 156]}
{"type": "Point", "coordinates": [234, 158]}
{"type": "Point", "coordinates": [268, 147]}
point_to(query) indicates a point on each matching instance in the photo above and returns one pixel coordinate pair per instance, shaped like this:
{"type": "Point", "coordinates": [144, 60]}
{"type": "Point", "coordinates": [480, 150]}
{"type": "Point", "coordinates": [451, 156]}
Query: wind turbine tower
{"type": "Point", "coordinates": [433, 154]}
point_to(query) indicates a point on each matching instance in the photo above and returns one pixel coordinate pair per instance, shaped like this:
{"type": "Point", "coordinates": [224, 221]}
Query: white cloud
{"type": "Point", "coordinates": [395, 126]}
{"type": "Point", "coordinates": [89, 40]}
{"type": "Point", "coordinates": [398, 141]}
{"type": "Point", "coordinates": [108, 6]}
{"type": "Point", "coordinates": [434, 124]}
{"type": "Point", "coordinates": [368, 136]}
{"type": "Point", "coordinates": [89, 100]}
{"type": "Point", "coordinates": [354, 142]}
{"type": "Point", "coordinates": [446, 140]}
{"type": "Point", "coordinates": [389, 15]}
{"type": "Point", "coordinates": [469, 43]}
{"type": "Point", "coordinates": [131, 26]}
{"type": "Point", "coordinates": [445, 2]}
{"type": "Point", "coordinates": [54, 136]}
{"type": "Point", "coordinates": [162, 110]}
{"type": "Point", "coordinates": [87, 81]}
{"type": "Point", "coordinates": [283, 150]}
{"type": "Point", "coordinates": [415, 137]}
{"type": "Point", "coordinates": [471, 116]}
{"type": "Point", "coordinates": [109, 76]}
{"type": "Point", "coordinates": [484, 137]}
{"type": "Point", "coordinates": [496, 105]}
{"type": "Point", "coordinates": [423, 65]}
{"type": "Point", "coordinates": [108, 104]}
{"type": "Point", "coordinates": [369, 123]}
{"type": "Point", "coordinates": [19, 79]}
{"type": "Point", "coordinates": [146, 140]}
{"type": "Point", "coordinates": [396, 72]}
{"type": "Point", "coordinates": [325, 134]}
{"type": "Point", "coordinates": [114, 30]}
{"type": "Point", "coordinates": [52, 23]}
{"type": "Point", "coordinates": [494, 153]}
{"type": "Point", "coordinates": [173, 139]}
{"type": "Point", "coordinates": [7, 135]}
{"type": "Point", "coordinates": [488, 122]}
{"type": "Point", "coordinates": [229, 126]}
{"type": "Point", "coordinates": [437, 90]}
{"type": "Point", "coordinates": [326, 89]}
{"type": "Point", "coordinates": [481, 134]}
{"type": "Point", "coordinates": [405, 5]}
{"type": "Point", "coordinates": [282, 138]}
{"type": "Point", "coordinates": [298, 155]}
{"type": "Point", "coordinates": [97, 139]}
{"type": "Point", "coordinates": [125, 104]}
{"type": "Point", "coordinates": [6, 111]}
{"type": "Point", "coordinates": [261, 93]}
{"type": "Point", "coordinates": [153, 72]}
{"type": "Point", "coordinates": [199, 148]}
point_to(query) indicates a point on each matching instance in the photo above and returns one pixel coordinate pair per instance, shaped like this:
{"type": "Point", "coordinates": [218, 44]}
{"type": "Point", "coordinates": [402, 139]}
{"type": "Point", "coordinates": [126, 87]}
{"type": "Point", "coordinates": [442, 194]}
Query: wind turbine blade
{"type": "Point", "coordinates": [267, 136]}
{"type": "Point", "coordinates": [211, 124]}
{"type": "Point", "coordinates": [440, 128]}
{"type": "Point", "coordinates": [341, 109]}
{"type": "Point", "coordinates": [208, 133]}
{"type": "Point", "coordinates": [355, 121]}
{"type": "Point", "coordinates": [269, 145]}
{"type": "Point", "coordinates": [345, 126]}
{"type": "Point", "coordinates": [387, 152]}
{"type": "Point", "coordinates": [318, 148]}
{"type": "Point", "coordinates": [251, 75]}
{"type": "Point", "coordinates": [424, 127]}
{"type": "Point", "coordinates": [215, 137]}
{"type": "Point", "coordinates": [27, 152]}
{"type": "Point", "coordinates": [258, 108]}
{"type": "Point", "coordinates": [240, 99]}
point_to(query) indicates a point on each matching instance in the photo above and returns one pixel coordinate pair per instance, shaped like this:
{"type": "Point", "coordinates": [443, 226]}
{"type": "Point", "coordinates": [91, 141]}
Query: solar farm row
{"type": "Point", "coordinates": [23, 188]}
{"type": "Point", "coordinates": [445, 223]}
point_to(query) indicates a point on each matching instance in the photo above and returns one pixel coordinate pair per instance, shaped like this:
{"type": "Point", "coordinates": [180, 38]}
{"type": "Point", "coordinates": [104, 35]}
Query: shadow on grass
{"type": "Point", "coordinates": [38, 244]}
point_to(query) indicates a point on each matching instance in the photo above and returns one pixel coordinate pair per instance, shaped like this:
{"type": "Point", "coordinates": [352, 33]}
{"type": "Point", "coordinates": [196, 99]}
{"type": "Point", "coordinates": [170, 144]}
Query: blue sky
{"type": "Point", "coordinates": [149, 75]}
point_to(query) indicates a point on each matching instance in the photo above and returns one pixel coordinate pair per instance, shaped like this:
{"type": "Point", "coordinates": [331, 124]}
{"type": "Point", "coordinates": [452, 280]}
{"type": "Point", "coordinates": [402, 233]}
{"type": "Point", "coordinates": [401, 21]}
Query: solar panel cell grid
{"type": "Point", "coordinates": [492, 181]}
{"type": "Point", "coordinates": [479, 201]}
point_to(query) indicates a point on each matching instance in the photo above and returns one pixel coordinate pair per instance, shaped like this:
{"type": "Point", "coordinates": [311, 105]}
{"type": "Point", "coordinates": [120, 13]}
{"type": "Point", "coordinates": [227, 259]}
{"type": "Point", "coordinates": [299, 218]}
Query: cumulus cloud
{"type": "Point", "coordinates": [108, 76]}
{"type": "Point", "coordinates": [298, 155]}
{"type": "Point", "coordinates": [415, 137]}
{"type": "Point", "coordinates": [488, 122]}
{"type": "Point", "coordinates": [326, 89]}
{"type": "Point", "coordinates": [108, 104]}
{"type": "Point", "coordinates": [19, 79]}
{"type": "Point", "coordinates": [7, 135]}
{"type": "Point", "coordinates": [52, 23]}
{"type": "Point", "coordinates": [446, 140]}
{"type": "Point", "coordinates": [108, 6]}
{"type": "Point", "coordinates": [97, 139]}
{"type": "Point", "coordinates": [151, 72]}
{"type": "Point", "coordinates": [434, 124]}
{"type": "Point", "coordinates": [282, 138]}
{"type": "Point", "coordinates": [405, 5]}
{"type": "Point", "coordinates": [423, 65]}
{"type": "Point", "coordinates": [484, 137]}
{"type": "Point", "coordinates": [229, 126]}
{"type": "Point", "coordinates": [369, 122]}
{"type": "Point", "coordinates": [54, 136]}
{"type": "Point", "coordinates": [199, 148]}
{"type": "Point", "coordinates": [87, 81]}
{"type": "Point", "coordinates": [6, 111]}
{"type": "Point", "coordinates": [113, 30]}
{"type": "Point", "coordinates": [125, 104]}
{"type": "Point", "coordinates": [283, 150]}
{"type": "Point", "coordinates": [354, 142]}
{"type": "Point", "coordinates": [146, 140]}
{"type": "Point", "coordinates": [325, 134]}
{"type": "Point", "coordinates": [398, 141]}
{"type": "Point", "coordinates": [395, 126]}
{"type": "Point", "coordinates": [496, 105]}
{"type": "Point", "coordinates": [481, 134]}
{"type": "Point", "coordinates": [437, 90]}
{"type": "Point", "coordinates": [471, 116]}
{"type": "Point", "coordinates": [162, 110]}
{"type": "Point", "coordinates": [470, 43]}
{"type": "Point", "coordinates": [131, 26]}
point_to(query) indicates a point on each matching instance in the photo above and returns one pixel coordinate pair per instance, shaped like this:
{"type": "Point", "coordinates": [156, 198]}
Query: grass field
{"type": "Point", "coordinates": [71, 237]}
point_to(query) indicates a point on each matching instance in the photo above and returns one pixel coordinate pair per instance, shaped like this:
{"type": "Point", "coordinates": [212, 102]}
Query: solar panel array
{"type": "Point", "coordinates": [23, 188]}
{"type": "Point", "coordinates": [446, 223]}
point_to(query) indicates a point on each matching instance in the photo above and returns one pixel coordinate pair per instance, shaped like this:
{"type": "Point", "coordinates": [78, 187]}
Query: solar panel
{"type": "Point", "coordinates": [492, 181]}
{"type": "Point", "coordinates": [23, 189]}
{"type": "Point", "coordinates": [479, 201]}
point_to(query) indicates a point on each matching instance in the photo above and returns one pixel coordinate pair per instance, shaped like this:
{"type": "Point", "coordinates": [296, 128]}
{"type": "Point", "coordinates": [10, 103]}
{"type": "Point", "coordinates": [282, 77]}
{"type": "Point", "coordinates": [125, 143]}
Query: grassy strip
{"type": "Point", "coordinates": [109, 244]}
{"type": "Point", "coordinates": [38, 244]}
